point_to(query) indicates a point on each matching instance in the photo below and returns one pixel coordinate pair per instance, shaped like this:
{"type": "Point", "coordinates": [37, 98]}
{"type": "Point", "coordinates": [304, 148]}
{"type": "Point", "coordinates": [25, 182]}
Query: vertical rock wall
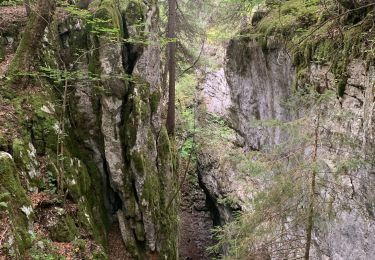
{"type": "Point", "coordinates": [136, 156]}
{"type": "Point", "coordinates": [119, 164]}
{"type": "Point", "coordinates": [261, 79]}
{"type": "Point", "coordinates": [265, 76]}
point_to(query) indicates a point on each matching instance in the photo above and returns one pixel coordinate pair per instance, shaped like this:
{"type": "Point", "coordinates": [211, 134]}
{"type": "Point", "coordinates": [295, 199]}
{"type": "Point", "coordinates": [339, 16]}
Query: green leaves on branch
{"type": "Point", "coordinates": [3, 198]}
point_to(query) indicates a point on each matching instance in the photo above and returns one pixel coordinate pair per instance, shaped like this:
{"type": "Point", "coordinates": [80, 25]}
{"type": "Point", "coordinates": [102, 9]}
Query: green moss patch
{"type": "Point", "coordinates": [19, 205]}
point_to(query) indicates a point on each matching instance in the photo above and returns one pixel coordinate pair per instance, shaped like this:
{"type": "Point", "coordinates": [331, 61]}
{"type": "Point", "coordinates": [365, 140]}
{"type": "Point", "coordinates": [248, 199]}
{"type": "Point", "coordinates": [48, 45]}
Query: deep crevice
{"type": "Point", "coordinates": [210, 203]}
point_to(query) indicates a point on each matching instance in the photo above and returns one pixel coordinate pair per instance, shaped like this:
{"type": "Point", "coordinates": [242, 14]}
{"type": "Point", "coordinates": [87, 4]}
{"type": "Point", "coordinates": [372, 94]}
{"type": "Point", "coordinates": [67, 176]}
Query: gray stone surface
{"type": "Point", "coordinates": [119, 128]}
{"type": "Point", "coordinates": [260, 82]}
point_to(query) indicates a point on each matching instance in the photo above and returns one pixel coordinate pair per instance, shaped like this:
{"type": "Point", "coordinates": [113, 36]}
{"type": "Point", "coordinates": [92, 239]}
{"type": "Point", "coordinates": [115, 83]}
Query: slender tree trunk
{"type": "Point", "coordinates": [310, 220]}
{"type": "Point", "coordinates": [171, 66]}
{"type": "Point", "coordinates": [28, 8]}
{"type": "Point", "coordinates": [23, 63]}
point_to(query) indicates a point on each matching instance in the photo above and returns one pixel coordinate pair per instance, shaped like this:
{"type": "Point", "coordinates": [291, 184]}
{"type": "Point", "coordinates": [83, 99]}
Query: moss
{"type": "Point", "coordinates": [108, 20]}
{"type": "Point", "coordinates": [164, 146]}
{"type": "Point", "coordinates": [135, 11]}
{"type": "Point", "coordinates": [76, 178]}
{"type": "Point", "coordinates": [342, 85]}
{"type": "Point", "coordinates": [151, 189]}
{"type": "Point", "coordinates": [291, 15]}
{"type": "Point", "coordinates": [323, 50]}
{"type": "Point", "coordinates": [168, 179]}
{"type": "Point", "coordinates": [302, 78]}
{"type": "Point", "coordinates": [25, 158]}
{"type": "Point", "coordinates": [154, 101]}
{"type": "Point", "coordinates": [151, 142]}
{"type": "Point", "coordinates": [89, 192]}
{"type": "Point", "coordinates": [139, 231]}
{"type": "Point", "coordinates": [10, 182]}
{"type": "Point", "coordinates": [42, 125]}
{"type": "Point", "coordinates": [65, 230]}
{"type": "Point", "coordinates": [4, 143]}
{"type": "Point", "coordinates": [2, 48]}
{"type": "Point", "coordinates": [138, 161]}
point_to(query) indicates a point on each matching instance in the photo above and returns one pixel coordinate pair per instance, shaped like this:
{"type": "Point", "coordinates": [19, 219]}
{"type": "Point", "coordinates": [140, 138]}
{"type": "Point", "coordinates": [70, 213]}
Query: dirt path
{"type": "Point", "coordinates": [196, 224]}
{"type": "Point", "coordinates": [116, 247]}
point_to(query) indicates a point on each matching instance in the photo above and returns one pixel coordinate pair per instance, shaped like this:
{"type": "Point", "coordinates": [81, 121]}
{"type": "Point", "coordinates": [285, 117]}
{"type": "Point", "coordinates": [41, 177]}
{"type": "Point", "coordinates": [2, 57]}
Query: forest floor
{"type": "Point", "coordinates": [195, 224]}
{"type": "Point", "coordinates": [116, 247]}
{"type": "Point", "coordinates": [11, 18]}
{"type": "Point", "coordinates": [12, 14]}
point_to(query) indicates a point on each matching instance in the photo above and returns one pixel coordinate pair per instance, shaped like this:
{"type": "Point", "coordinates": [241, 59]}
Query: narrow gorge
{"type": "Point", "coordinates": [272, 156]}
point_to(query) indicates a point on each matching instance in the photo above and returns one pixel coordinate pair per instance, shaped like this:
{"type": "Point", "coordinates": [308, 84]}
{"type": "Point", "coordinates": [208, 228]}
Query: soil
{"type": "Point", "coordinates": [12, 15]}
{"type": "Point", "coordinates": [196, 224]}
{"type": "Point", "coordinates": [116, 247]}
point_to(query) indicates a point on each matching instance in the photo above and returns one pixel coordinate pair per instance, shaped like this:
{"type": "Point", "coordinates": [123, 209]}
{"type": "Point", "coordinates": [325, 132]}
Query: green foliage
{"type": "Point", "coordinates": [51, 183]}
{"type": "Point", "coordinates": [230, 200]}
{"type": "Point", "coordinates": [3, 200]}
{"type": "Point", "coordinates": [187, 148]}
{"type": "Point", "coordinates": [185, 93]}
{"type": "Point", "coordinates": [44, 250]}
{"type": "Point", "coordinates": [216, 131]}
{"type": "Point", "coordinates": [226, 17]}
{"type": "Point", "coordinates": [278, 207]}
{"type": "Point", "coordinates": [11, 2]}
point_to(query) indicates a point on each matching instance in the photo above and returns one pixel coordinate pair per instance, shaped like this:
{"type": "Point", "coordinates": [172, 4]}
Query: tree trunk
{"type": "Point", "coordinates": [28, 8]}
{"type": "Point", "coordinates": [171, 35]}
{"type": "Point", "coordinates": [23, 63]}
{"type": "Point", "coordinates": [310, 219]}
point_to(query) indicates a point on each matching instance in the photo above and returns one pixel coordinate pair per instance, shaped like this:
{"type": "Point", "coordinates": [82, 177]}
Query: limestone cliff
{"type": "Point", "coordinates": [264, 71]}
{"type": "Point", "coordinates": [93, 118]}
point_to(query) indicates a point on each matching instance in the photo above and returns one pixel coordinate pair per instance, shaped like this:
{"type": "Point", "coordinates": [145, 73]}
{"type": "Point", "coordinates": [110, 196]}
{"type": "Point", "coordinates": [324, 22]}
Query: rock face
{"type": "Point", "coordinates": [117, 160]}
{"type": "Point", "coordinates": [215, 94]}
{"type": "Point", "coordinates": [130, 145]}
{"type": "Point", "coordinates": [352, 230]}
{"type": "Point", "coordinates": [265, 79]}
{"type": "Point", "coordinates": [261, 79]}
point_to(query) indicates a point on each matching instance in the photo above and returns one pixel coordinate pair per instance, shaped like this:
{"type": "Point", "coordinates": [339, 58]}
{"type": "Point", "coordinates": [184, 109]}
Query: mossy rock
{"type": "Point", "coordinates": [154, 101]}
{"type": "Point", "coordinates": [305, 29]}
{"type": "Point", "coordinates": [19, 204]}
{"type": "Point", "coordinates": [76, 178]}
{"type": "Point", "coordinates": [169, 180]}
{"type": "Point", "coordinates": [4, 143]}
{"type": "Point", "coordinates": [30, 110]}
{"type": "Point", "coordinates": [108, 20]}
{"type": "Point", "coordinates": [25, 158]}
{"type": "Point", "coordinates": [64, 230]}
{"type": "Point", "coordinates": [134, 12]}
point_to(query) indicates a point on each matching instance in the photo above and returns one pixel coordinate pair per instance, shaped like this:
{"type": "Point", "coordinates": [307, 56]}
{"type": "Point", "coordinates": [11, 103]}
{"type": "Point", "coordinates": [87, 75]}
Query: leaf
{"type": "Point", "coordinates": [4, 195]}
